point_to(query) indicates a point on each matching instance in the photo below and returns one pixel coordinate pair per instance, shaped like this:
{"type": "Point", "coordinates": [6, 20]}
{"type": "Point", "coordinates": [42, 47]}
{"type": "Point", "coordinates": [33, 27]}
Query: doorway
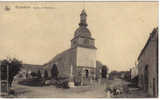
{"type": "Point", "coordinates": [154, 87]}
{"type": "Point", "coordinates": [146, 78]}
{"type": "Point", "coordinates": [86, 73]}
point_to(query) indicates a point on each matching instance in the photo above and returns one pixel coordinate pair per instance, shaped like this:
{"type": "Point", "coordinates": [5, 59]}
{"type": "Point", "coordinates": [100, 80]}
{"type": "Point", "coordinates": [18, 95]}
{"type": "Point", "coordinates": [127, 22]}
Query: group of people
{"type": "Point", "coordinates": [111, 92]}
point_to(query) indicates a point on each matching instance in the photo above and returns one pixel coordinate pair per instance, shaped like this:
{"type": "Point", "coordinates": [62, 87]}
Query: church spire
{"type": "Point", "coordinates": [83, 19]}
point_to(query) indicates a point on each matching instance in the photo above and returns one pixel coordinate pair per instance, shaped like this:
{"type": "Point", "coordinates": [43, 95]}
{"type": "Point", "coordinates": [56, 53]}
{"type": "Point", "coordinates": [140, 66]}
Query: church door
{"type": "Point", "coordinates": [87, 73]}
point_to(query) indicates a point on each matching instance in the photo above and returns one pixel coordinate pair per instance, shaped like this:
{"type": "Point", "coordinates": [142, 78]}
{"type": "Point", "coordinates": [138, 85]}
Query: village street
{"type": "Point", "coordinates": [24, 91]}
{"type": "Point", "coordinates": [53, 92]}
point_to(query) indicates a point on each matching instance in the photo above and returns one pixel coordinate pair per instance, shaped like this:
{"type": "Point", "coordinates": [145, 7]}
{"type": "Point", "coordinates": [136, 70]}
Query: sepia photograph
{"type": "Point", "coordinates": [82, 49]}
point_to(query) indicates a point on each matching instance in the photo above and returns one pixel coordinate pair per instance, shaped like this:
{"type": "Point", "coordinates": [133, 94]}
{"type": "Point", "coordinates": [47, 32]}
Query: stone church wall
{"type": "Point", "coordinates": [86, 57]}
{"type": "Point", "coordinates": [85, 41]}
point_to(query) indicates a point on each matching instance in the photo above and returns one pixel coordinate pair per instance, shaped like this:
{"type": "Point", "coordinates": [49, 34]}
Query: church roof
{"type": "Point", "coordinates": [82, 31]}
{"type": "Point", "coordinates": [58, 56]}
{"type": "Point", "coordinates": [83, 12]}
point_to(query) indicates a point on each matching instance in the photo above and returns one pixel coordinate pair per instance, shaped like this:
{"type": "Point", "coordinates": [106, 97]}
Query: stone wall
{"type": "Point", "coordinates": [89, 42]}
{"type": "Point", "coordinates": [86, 57]}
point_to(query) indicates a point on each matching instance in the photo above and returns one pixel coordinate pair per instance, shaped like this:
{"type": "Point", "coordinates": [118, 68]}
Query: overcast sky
{"type": "Point", "coordinates": [35, 36]}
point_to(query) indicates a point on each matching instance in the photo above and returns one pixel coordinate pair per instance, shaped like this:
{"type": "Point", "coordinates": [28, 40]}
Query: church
{"type": "Point", "coordinates": [79, 61]}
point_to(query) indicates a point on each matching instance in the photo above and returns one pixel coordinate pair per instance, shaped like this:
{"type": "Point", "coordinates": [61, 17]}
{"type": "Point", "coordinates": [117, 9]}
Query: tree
{"type": "Point", "coordinates": [45, 74]}
{"type": "Point", "coordinates": [9, 69]}
{"type": "Point", "coordinates": [39, 74]}
{"type": "Point", "coordinates": [104, 71]}
{"type": "Point", "coordinates": [127, 76]}
{"type": "Point", "coordinates": [4, 65]}
{"type": "Point", "coordinates": [33, 74]}
{"type": "Point", "coordinates": [54, 71]}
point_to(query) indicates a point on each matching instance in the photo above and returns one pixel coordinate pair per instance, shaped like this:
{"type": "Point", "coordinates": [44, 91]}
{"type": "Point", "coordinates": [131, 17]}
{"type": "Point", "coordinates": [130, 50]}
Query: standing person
{"type": "Point", "coordinates": [108, 93]}
{"type": "Point", "coordinates": [114, 91]}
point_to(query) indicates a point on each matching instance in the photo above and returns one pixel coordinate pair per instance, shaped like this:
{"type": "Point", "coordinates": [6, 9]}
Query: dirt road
{"type": "Point", "coordinates": [98, 91]}
{"type": "Point", "coordinates": [53, 92]}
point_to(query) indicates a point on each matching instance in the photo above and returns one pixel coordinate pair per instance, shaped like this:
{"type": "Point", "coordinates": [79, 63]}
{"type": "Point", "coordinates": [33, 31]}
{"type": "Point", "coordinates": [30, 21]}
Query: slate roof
{"type": "Point", "coordinates": [82, 31]}
{"type": "Point", "coordinates": [32, 67]}
{"type": "Point", "coordinates": [155, 31]}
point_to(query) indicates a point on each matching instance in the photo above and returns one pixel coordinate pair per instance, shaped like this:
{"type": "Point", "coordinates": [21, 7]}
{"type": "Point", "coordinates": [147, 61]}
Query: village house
{"type": "Point", "coordinates": [134, 72]}
{"type": "Point", "coordinates": [78, 63]}
{"type": "Point", "coordinates": [27, 70]}
{"type": "Point", "coordinates": [134, 75]}
{"type": "Point", "coordinates": [148, 65]}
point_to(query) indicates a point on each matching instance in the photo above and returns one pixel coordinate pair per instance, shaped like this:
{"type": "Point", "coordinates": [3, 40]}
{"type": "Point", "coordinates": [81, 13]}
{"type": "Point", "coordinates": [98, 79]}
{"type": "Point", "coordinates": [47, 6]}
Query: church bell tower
{"type": "Point", "coordinates": [85, 51]}
{"type": "Point", "coordinates": [83, 45]}
{"type": "Point", "coordinates": [82, 36]}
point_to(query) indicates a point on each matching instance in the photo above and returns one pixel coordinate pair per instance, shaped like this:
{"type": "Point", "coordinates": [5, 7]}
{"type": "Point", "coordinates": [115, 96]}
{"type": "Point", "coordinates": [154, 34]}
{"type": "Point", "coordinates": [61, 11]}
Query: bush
{"type": "Point", "coordinates": [62, 82]}
{"type": "Point", "coordinates": [54, 72]}
{"type": "Point", "coordinates": [46, 74]}
{"type": "Point", "coordinates": [12, 92]}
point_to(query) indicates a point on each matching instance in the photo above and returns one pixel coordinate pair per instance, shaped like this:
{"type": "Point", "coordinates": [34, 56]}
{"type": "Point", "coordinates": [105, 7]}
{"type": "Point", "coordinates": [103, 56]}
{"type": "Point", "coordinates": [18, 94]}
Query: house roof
{"type": "Point", "coordinates": [155, 31]}
{"type": "Point", "coordinates": [32, 67]}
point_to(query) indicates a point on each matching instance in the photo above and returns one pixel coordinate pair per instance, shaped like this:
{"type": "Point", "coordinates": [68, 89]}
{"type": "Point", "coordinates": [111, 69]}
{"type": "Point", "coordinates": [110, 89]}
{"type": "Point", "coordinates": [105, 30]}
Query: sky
{"type": "Point", "coordinates": [35, 32]}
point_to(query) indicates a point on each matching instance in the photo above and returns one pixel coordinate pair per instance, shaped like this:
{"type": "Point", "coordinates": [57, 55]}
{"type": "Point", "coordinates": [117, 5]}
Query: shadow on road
{"type": "Point", "coordinates": [32, 82]}
{"type": "Point", "coordinates": [21, 91]}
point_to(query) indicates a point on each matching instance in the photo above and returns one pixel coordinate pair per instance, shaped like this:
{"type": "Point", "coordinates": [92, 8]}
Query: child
{"type": "Point", "coordinates": [108, 93]}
